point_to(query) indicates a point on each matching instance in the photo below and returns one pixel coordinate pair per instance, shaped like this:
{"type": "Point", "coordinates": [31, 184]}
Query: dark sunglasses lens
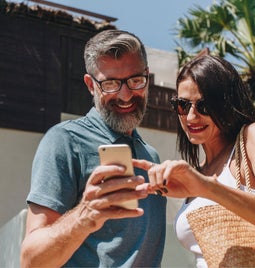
{"type": "Point", "coordinates": [201, 107]}
{"type": "Point", "coordinates": [183, 107]}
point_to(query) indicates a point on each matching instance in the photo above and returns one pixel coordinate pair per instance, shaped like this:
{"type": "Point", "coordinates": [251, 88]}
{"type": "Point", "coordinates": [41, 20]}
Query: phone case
{"type": "Point", "coordinates": [119, 154]}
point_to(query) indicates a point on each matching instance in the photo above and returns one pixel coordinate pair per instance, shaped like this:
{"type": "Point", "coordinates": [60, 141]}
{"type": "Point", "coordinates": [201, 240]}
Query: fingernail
{"type": "Point", "coordinates": [158, 192]}
{"type": "Point", "coordinates": [164, 190]}
{"type": "Point", "coordinates": [164, 182]}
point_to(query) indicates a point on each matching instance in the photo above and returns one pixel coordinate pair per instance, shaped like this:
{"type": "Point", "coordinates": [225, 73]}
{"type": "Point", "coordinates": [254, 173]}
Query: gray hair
{"type": "Point", "coordinates": [113, 43]}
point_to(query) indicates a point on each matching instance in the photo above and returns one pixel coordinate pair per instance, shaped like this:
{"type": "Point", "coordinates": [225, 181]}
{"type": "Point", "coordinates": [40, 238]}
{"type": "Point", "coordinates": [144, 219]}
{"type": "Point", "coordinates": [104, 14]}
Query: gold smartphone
{"type": "Point", "coordinates": [119, 154]}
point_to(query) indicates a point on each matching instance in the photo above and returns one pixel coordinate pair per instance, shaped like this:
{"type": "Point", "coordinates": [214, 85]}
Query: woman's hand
{"type": "Point", "coordinates": [174, 178]}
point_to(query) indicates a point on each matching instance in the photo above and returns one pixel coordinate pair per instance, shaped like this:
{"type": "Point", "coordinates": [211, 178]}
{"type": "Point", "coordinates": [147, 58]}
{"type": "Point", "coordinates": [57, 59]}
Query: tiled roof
{"type": "Point", "coordinates": [57, 16]}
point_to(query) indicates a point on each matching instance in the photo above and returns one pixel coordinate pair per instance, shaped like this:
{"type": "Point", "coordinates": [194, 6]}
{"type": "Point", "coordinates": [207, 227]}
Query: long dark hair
{"type": "Point", "coordinates": [227, 100]}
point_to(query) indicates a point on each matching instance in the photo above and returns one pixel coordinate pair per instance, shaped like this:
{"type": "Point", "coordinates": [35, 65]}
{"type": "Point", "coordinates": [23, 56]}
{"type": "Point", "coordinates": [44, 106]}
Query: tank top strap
{"type": "Point", "coordinates": [230, 156]}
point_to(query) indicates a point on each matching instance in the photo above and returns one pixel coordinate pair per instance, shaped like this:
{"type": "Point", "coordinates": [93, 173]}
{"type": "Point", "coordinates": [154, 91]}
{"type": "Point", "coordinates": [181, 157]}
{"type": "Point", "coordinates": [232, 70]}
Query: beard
{"type": "Point", "coordinates": [121, 122]}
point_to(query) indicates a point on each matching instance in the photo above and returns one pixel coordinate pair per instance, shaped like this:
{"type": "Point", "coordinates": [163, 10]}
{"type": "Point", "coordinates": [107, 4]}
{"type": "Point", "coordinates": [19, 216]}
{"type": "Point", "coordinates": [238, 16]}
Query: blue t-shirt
{"type": "Point", "coordinates": [65, 158]}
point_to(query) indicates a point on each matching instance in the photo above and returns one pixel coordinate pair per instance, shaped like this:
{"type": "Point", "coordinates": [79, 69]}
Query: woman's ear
{"type": "Point", "coordinates": [88, 80]}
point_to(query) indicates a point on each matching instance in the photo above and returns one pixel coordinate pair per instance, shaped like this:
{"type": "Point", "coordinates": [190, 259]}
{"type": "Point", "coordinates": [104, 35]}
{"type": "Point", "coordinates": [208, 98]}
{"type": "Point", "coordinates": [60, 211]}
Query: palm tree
{"type": "Point", "coordinates": [227, 28]}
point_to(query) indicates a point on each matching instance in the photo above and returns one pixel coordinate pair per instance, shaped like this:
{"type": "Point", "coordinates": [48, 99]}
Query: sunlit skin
{"type": "Point", "coordinates": [124, 100]}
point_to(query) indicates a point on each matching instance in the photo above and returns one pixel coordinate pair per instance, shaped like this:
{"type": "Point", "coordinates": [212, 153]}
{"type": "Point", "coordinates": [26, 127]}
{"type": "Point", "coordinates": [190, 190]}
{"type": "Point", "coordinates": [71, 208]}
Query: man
{"type": "Point", "coordinates": [73, 216]}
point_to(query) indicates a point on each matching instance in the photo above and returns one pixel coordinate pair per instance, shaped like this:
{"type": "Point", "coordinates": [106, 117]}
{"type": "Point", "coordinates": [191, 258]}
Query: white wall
{"type": "Point", "coordinates": [17, 150]}
{"type": "Point", "coordinates": [164, 65]}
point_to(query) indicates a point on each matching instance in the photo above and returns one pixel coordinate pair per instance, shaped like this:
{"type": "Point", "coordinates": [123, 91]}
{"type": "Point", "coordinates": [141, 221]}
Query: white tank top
{"type": "Point", "coordinates": [182, 228]}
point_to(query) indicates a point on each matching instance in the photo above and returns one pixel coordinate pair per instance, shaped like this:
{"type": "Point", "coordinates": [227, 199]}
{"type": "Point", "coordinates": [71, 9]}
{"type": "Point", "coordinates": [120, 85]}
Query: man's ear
{"type": "Point", "coordinates": [89, 82]}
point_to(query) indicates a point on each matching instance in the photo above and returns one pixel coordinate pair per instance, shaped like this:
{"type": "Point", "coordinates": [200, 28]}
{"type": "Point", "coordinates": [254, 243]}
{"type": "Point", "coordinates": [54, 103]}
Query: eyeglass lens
{"type": "Point", "coordinates": [133, 83]}
{"type": "Point", "coordinates": [182, 106]}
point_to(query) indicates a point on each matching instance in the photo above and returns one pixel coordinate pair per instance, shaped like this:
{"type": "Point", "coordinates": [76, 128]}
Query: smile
{"type": "Point", "coordinates": [124, 106]}
{"type": "Point", "coordinates": [196, 128]}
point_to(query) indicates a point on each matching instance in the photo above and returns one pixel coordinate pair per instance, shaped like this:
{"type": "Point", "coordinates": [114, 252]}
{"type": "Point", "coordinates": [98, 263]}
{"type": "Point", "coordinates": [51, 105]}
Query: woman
{"type": "Point", "coordinates": [212, 105]}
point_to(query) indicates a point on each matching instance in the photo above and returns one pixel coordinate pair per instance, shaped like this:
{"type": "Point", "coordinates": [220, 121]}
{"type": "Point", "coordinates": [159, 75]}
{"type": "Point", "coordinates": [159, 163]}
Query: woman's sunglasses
{"type": "Point", "coordinates": [182, 106]}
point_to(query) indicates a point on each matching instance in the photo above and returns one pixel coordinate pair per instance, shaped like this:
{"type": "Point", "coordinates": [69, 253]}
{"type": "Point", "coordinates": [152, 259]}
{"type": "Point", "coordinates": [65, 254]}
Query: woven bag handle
{"type": "Point", "coordinates": [240, 151]}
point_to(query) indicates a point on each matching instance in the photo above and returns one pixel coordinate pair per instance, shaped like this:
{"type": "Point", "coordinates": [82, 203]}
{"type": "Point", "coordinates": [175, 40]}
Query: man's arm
{"type": "Point", "coordinates": [51, 238]}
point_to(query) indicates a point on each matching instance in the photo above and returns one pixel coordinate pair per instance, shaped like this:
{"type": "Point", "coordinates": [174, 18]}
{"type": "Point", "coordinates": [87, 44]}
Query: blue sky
{"type": "Point", "coordinates": [152, 20]}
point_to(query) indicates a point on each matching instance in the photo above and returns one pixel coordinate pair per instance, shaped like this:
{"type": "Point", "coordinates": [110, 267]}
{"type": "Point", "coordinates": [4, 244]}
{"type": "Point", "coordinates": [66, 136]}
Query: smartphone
{"type": "Point", "coordinates": [119, 154]}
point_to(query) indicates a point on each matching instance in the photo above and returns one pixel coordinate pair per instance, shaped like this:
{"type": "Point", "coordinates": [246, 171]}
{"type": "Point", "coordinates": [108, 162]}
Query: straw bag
{"type": "Point", "coordinates": [225, 239]}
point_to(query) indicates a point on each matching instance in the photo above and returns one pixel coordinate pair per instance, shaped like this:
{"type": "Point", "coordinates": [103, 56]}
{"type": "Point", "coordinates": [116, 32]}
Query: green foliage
{"type": "Point", "coordinates": [227, 28]}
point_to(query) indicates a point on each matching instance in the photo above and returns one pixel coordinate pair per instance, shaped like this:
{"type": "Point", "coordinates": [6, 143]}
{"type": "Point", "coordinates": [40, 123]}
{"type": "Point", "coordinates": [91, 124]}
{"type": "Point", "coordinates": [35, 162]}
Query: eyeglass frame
{"type": "Point", "coordinates": [122, 81]}
{"type": "Point", "coordinates": [175, 103]}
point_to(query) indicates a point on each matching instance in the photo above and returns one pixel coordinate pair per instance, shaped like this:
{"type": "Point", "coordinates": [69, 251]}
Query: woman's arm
{"type": "Point", "coordinates": [181, 180]}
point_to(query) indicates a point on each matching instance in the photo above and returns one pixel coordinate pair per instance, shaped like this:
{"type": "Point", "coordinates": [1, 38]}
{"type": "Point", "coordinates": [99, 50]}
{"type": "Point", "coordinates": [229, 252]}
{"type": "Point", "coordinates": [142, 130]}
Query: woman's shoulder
{"type": "Point", "coordinates": [249, 134]}
{"type": "Point", "coordinates": [250, 128]}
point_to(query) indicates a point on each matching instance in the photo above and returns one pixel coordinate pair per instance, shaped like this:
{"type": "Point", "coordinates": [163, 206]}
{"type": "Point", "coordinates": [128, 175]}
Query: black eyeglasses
{"type": "Point", "coordinates": [134, 82]}
{"type": "Point", "coordinates": [182, 106]}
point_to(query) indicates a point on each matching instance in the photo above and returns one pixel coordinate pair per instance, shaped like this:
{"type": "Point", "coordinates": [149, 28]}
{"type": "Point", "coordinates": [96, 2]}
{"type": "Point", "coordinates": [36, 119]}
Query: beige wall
{"type": "Point", "coordinates": [16, 153]}
{"type": "Point", "coordinates": [164, 65]}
